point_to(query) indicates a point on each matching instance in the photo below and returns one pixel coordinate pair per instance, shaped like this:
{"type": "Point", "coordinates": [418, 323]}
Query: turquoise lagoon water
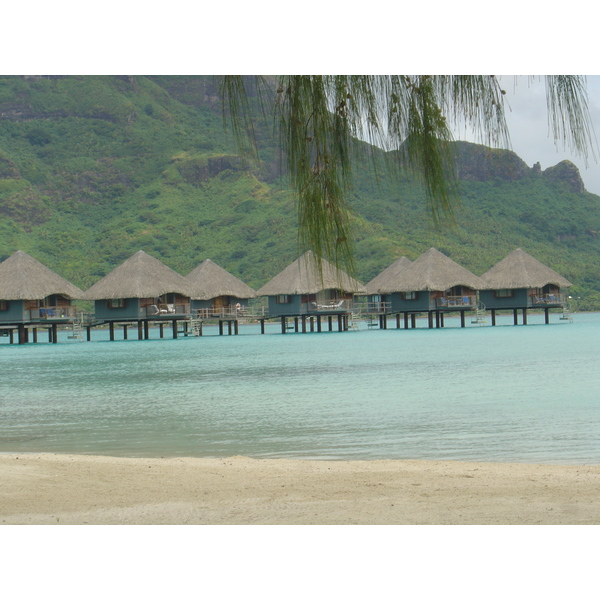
{"type": "Point", "coordinates": [505, 393]}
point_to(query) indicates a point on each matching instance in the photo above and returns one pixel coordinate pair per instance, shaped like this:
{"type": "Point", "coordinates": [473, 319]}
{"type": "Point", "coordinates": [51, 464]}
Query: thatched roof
{"type": "Point", "coordinates": [209, 280]}
{"type": "Point", "coordinates": [24, 278]}
{"type": "Point", "coordinates": [386, 281]}
{"type": "Point", "coordinates": [435, 272]}
{"type": "Point", "coordinates": [140, 276]}
{"type": "Point", "coordinates": [303, 277]}
{"type": "Point", "coordinates": [521, 270]}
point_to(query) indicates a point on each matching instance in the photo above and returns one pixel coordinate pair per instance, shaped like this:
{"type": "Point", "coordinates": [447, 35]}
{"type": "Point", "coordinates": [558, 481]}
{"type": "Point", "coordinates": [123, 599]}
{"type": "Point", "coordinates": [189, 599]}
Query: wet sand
{"type": "Point", "coordinates": [75, 489]}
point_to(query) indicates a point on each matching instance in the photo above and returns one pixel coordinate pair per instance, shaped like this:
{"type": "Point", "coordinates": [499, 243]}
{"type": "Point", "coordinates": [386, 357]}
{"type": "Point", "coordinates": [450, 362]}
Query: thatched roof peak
{"type": "Point", "coordinates": [303, 277]}
{"type": "Point", "coordinates": [209, 280]}
{"type": "Point", "coordinates": [386, 282]}
{"type": "Point", "coordinates": [435, 272]}
{"type": "Point", "coordinates": [140, 276]}
{"type": "Point", "coordinates": [521, 270]}
{"type": "Point", "coordinates": [22, 277]}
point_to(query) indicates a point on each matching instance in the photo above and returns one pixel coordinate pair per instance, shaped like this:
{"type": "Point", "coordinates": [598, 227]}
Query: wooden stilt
{"type": "Point", "coordinates": [174, 329]}
{"type": "Point", "coordinates": [140, 330]}
{"type": "Point", "coordinates": [161, 330]}
{"type": "Point", "coordinates": [229, 327]}
{"type": "Point", "coordinates": [413, 320]}
{"type": "Point", "coordinates": [524, 316]}
{"type": "Point", "coordinates": [303, 323]}
{"type": "Point", "coordinates": [89, 333]}
{"type": "Point", "coordinates": [430, 319]}
{"type": "Point", "coordinates": [437, 319]}
{"type": "Point", "coordinates": [462, 318]}
{"type": "Point", "coordinates": [11, 336]}
{"type": "Point", "coordinates": [125, 331]}
{"type": "Point", "coordinates": [515, 316]}
{"type": "Point", "coordinates": [22, 333]}
{"type": "Point", "coordinates": [235, 327]}
{"type": "Point", "coordinates": [111, 331]}
{"type": "Point", "coordinates": [398, 321]}
{"type": "Point", "coordinates": [146, 329]}
{"type": "Point", "coordinates": [283, 324]}
{"type": "Point", "coordinates": [312, 324]}
{"type": "Point", "coordinates": [295, 324]}
{"type": "Point", "coordinates": [405, 320]}
{"type": "Point", "coordinates": [34, 333]}
{"type": "Point", "coordinates": [330, 321]}
{"type": "Point", "coordinates": [54, 333]}
{"type": "Point", "coordinates": [493, 317]}
{"type": "Point", "coordinates": [546, 315]}
{"type": "Point", "coordinates": [319, 323]}
{"type": "Point", "coordinates": [49, 335]}
{"type": "Point", "coordinates": [262, 326]}
{"type": "Point", "coordinates": [340, 324]}
{"type": "Point", "coordinates": [220, 327]}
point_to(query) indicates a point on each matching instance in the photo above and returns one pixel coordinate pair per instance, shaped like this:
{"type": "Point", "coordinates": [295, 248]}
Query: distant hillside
{"type": "Point", "coordinates": [93, 169]}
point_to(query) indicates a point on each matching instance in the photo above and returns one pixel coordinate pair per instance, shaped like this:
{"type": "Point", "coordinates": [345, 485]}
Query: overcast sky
{"type": "Point", "coordinates": [530, 135]}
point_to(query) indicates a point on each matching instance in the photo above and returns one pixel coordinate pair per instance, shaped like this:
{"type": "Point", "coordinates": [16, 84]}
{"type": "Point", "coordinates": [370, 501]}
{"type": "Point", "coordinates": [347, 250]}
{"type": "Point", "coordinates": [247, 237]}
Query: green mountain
{"type": "Point", "coordinates": [95, 168]}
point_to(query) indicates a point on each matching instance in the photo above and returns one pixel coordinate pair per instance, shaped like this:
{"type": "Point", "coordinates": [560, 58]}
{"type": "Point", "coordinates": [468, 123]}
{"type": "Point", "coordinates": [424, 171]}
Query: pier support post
{"type": "Point", "coordinates": [398, 321]}
{"type": "Point", "coordinates": [405, 320]}
{"type": "Point", "coordinates": [220, 327]}
{"type": "Point", "coordinates": [493, 317]}
{"type": "Point", "coordinates": [319, 323]}
{"type": "Point", "coordinates": [437, 319]}
{"type": "Point", "coordinates": [174, 329]}
{"type": "Point", "coordinates": [89, 333]}
{"type": "Point", "coordinates": [34, 332]}
{"type": "Point", "coordinates": [146, 330]}
{"type": "Point", "coordinates": [413, 320]}
{"type": "Point", "coordinates": [295, 324]}
{"type": "Point", "coordinates": [312, 324]}
{"type": "Point", "coordinates": [340, 323]}
{"type": "Point", "coordinates": [229, 327]}
{"type": "Point", "coordinates": [22, 333]}
{"type": "Point", "coordinates": [524, 316]}
{"type": "Point", "coordinates": [161, 329]}
{"type": "Point", "coordinates": [546, 315]}
{"type": "Point", "coordinates": [49, 335]}
{"type": "Point", "coordinates": [262, 326]}
{"type": "Point", "coordinates": [125, 331]}
{"type": "Point", "coordinates": [515, 316]}
{"type": "Point", "coordinates": [11, 336]}
{"type": "Point", "coordinates": [236, 330]}
{"type": "Point", "coordinates": [462, 318]}
{"type": "Point", "coordinates": [330, 322]}
{"type": "Point", "coordinates": [111, 331]}
{"type": "Point", "coordinates": [303, 323]}
{"type": "Point", "coordinates": [140, 331]}
{"type": "Point", "coordinates": [430, 319]}
{"type": "Point", "coordinates": [283, 324]}
{"type": "Point", "coordinates": [54, 333]}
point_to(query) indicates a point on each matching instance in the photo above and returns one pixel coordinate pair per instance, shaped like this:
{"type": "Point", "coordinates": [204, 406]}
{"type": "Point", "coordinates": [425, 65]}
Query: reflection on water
{"type": "Point", "coordinates": [525, 393]}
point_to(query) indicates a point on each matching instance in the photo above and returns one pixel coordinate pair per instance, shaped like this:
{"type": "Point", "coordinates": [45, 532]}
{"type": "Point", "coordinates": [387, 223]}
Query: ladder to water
{"type": "Point", "coordinates": [566, 314]}
{"type": "Point", "coordinates": [195, 327]}
{"type": "Point", "coordinates": [77, 328]}
{"type": "Point", "coordinates": [480, 314]}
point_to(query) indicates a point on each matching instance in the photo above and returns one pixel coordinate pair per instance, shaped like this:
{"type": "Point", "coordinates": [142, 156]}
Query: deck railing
{"type": "Point", "coordinates": [167, 310]}
{"type": "Point", "coordinates": [374, 308]}
{"type": "Point", "coordinates": [231, 312]}
{"type": "Point", "coordinates": [329, 306]}
{"type": "Point", "coordinates": [49, 313]}
{"type": "Point", "coordinates": [549, 299]}
{"type": "Point", "coordinates": [455, 301]}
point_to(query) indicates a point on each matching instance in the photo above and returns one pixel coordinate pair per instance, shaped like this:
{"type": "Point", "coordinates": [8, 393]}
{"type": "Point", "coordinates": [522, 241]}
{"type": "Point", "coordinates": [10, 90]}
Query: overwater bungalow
{"type": "Point", "coordinates": [432, 284]}
{"type": "Point", "coordinates": [306, 289]}
{"type": "Point", "coordinates": [142, 290]}
{"type": "Point", "coordinates": [32, 296]}
{"type": "Point", "coordinates": [520, 282]}
{"type": "Point", "coordinates": [217, 293]}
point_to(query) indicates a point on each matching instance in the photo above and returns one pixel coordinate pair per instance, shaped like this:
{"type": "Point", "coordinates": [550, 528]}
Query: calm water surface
{"type": "Point", "coordinates": [506, 393]}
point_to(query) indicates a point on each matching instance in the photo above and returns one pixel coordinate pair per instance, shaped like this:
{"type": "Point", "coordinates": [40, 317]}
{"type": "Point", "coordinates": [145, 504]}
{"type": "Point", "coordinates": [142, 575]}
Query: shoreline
{"type": "Point", "coordinates": [86, 489]}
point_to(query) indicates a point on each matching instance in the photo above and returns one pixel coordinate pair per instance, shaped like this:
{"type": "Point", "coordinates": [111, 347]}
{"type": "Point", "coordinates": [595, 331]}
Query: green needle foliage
{"type": "Point", "coordinates": [319, 120]}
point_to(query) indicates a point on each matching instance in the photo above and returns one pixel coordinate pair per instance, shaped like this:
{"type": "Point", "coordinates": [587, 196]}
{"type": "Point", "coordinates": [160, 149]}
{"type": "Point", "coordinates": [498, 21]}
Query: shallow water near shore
{"type": "Point", "coordinates": [505, 393]}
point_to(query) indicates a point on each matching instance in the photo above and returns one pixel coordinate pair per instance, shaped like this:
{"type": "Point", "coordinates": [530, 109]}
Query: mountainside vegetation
{"type": "Point", "coordinates": [95, 168]}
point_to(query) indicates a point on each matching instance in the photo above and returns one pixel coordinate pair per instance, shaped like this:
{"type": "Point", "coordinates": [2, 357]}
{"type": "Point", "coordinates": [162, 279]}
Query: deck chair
{"type": "Point", "coordinates": [170, 308]}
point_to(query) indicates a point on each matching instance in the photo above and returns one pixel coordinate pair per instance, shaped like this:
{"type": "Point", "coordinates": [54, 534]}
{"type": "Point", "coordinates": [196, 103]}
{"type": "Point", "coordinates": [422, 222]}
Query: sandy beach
{"type": "Point", "coordinates": [72, 489]}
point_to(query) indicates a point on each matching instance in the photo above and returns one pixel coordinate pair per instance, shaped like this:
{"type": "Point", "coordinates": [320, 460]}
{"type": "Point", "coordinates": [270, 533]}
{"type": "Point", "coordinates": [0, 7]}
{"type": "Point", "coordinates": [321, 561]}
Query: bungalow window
{"type": "Point", "coordinates": [504, 293]}
{"type": "Point", "coordinates": [115, 303]}
{"type": "Point", "coordinates": [283, 299]}
{"type": "Point", "coordinates": [3, 304]}
{"type": "Point", "coordinates": [409, 295]}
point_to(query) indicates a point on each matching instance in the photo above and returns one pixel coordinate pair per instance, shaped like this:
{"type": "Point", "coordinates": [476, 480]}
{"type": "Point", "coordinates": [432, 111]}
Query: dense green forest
{"type": "Point", "coordinates": [95, 168]}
